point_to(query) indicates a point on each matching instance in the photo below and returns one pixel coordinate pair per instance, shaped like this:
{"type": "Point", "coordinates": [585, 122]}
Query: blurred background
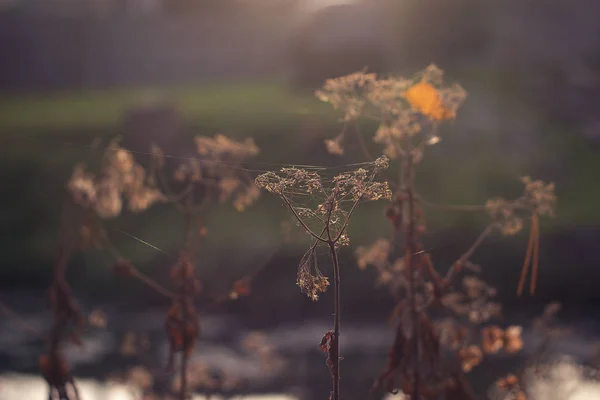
{"type": "Point", "coordinates": [73, 72]}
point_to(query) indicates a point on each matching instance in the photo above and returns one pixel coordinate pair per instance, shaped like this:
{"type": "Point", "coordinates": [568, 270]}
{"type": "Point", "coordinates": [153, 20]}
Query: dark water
{"type": "Point", "coordinates": [135, 339]}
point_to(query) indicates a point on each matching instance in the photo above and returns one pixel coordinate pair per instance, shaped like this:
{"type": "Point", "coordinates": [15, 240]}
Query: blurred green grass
{"type": "Point", "coordinates": [235, 105]}
{"type": "Point", "coordinates": [289, 128]}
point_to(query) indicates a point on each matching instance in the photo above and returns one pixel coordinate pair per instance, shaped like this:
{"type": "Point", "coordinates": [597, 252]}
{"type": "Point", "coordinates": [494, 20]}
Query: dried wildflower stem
{"type": "Point", "coordinates": [334, 349]}
{"type": "Point", "coordinates": [532, 249]}
{"type": "Point", "coordinates": [64, 312]}
{"type": "Point", "coordinates": [361, 142]}
{"type": "Point", "coordinates": [335, 345]}
{"type": "Point", "coordinates": [458, 264]}
{"type": "Point", "coordinates": [299, 219]}
{"type": "Point", "coordinates": [133, 271]}
{"type": "Point", "coordinates": [152, 283]}
{"type": "Point", "coordinates": [536, 253]}
{"type": "Point", "coordinates": [410, 248]}
{"type": "Point", "coordinates": [184, 292]}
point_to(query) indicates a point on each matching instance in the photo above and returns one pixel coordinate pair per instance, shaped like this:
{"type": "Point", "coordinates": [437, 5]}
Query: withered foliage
{"type": "Point", "coordinates": [214, 175]}
{"type": "Point", "coordinates": [323, 206]}
{"type": "Point", "coordinates": [67, 326]}
{"type": "Point", "coordinates": [409, 112]}
{"type": "Point", "coordinates": [430, 355]}
{"type": "Point", "coordinates": [515, 386]}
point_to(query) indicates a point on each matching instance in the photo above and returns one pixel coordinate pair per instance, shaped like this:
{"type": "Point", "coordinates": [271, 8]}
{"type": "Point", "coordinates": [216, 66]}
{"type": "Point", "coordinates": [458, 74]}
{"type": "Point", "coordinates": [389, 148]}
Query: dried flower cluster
{"type": "Point", "coordinates": [219, 164]}
{"type": "Point", "coordinates": [409, 112]}
{"type": "Point", "coordinates": [333, 201]}
{"type": "Point", "coordinates": [120, 177]}
{"type": "Point", "coordinates": [328, 203]}
{"type": "Point", "coordinates": [404, 108]}
{"type": "Point", "coordinates": [514, 386]}
{"type": "Point", "coordinates": [538, 200]}
{"type": "Point", "coordinates": [216, 173]}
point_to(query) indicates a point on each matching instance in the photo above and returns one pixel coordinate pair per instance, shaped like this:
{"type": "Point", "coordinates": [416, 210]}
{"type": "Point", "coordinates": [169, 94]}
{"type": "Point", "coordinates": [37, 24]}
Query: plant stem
{"type": "Point", "coordinates": [410, 249]}
{"type": "Point", "coordinates": [184, 362]}
{"type": "Point", "coordinates": [335, 345]}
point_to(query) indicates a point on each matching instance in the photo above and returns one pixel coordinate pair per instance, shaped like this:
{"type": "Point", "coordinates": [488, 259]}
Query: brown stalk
{"type": "Point", "coordinates": [530, 250]}
{"type": "Point", "coordinates": [334, 349]}
{"type": "Point", "coordinates": [185, 295]}
{"type": "Point", "coordinates": [335, 341]}
{"type": "Point", "coordinates": [536, 253]}
{"type": "Point", "coordinates": [410, 247]}
{"type": "Point", "coordinates": [331, 341]}
{"type": "Point", "coordinates": [458, 264]}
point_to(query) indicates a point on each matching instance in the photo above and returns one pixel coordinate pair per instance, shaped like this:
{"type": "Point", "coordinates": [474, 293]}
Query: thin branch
{"type": "Point", "coordinates": [308, 230]}
{"type": "Point", "coordinates": [347, 221]}
{"type": "Point", "coordinates": [227, 296]}
{"type": "Point", "coordinates": [330, 200]}
{"type": "Point", "coordinates": [361, 142]}
{"type": "Point", "coordinates": [482, 236]}
{"type": "Point", "coordinates": [410, 249]}
{"type": "Point", "coordinates": [335, 343]}
{"type": "Point", "coordinates": [454, 269]}
{"type": "Point", "coordinates": [152, 283]}
{"type": "Point", "coordinates": [170, 193]}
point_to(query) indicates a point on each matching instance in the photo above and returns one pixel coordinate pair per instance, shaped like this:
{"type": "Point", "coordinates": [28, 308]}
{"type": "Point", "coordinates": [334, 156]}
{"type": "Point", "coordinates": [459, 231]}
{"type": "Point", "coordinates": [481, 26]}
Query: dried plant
{"type": "Point", "coordinates": [213, 175]}
{"type": "Point", "coordinates": [429, 356]}
{"type": "Point", "coordinates": [516, 386]}
{"type": "Point", "coordinates": [323, 206]}
{"type": "Point", "coordinates": [409, 112]}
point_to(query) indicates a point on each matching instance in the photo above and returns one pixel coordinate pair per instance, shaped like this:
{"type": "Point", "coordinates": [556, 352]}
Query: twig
{"type": "Point", "coordinates": [152, 283]}
{"type": "Point", "coordinates": [308, 230]}
{"type": "Point", "coordinates": [361, 142]}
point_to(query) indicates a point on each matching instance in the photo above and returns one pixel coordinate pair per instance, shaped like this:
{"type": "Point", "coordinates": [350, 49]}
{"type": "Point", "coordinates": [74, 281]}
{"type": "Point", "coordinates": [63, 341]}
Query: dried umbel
{"type": "Point", "coordinates": [214, 174]}
{"type": "Point", "coordinates": [334, 198]}
{"type": "Point", "coordinates": [404, 108]}
{"type": "Point", "coordinates": [329, 203]}
{"type": "Point", "coordinates": [537, 200]}
{"type": "Point", "coordinates": [218, 169]}
{"type": "Point", "coordinates": [222, 147]}
{"type": "Point", "coordinates": [309, 278]}
{"type": "Point", "coordinates": [120, 178]}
